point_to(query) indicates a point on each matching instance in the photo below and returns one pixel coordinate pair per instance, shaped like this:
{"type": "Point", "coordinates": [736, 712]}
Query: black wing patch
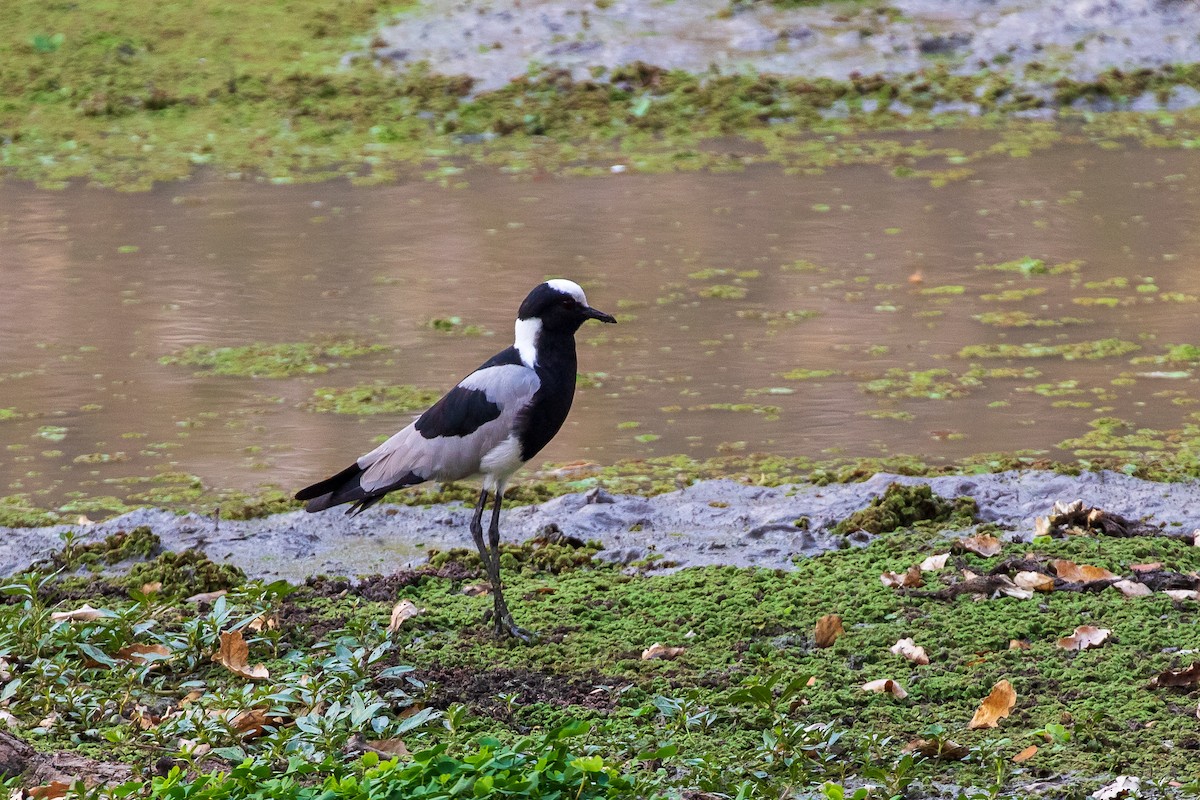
{"type": "Point", "coordinates": [459, 413]}
{"type": "Point", "coordinates": [507, 356]}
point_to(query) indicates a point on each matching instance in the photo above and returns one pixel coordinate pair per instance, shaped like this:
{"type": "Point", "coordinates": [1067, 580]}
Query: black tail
{"type": "Point", "coordinates": [346, 487]}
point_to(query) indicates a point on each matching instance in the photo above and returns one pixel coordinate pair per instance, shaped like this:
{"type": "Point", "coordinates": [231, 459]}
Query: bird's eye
{"type": "Point", "coordinates": [567, 302]}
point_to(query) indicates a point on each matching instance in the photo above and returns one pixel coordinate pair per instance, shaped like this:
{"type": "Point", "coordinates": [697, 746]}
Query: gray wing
{"type": "Point", "coordinates": [449, 441]}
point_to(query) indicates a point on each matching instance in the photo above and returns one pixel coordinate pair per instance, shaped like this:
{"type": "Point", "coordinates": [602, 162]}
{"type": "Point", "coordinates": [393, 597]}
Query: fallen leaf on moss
{"type": "Point", "coordinates": [995, 707]}
{"type": "Point", "coordinates": [154, 587]}
{"type": "Point", "coordinates": [143, 653]}
{"type": "Point", "coordinates": [477, 589]}
{"type": "Point", "coordinates": [1026, 754]}
{"type": "Point", "coordinates": [1034, 581]}
{"type": "Point", "coordinates": [1123, 786]}
{"type": "Point", "coordinates": [234, 655]}
{"type": "Point", "coordinates": [263, 622]}
{"type": "Point", "coordinates": [253, 722]}
{"type": "Point", "coordinates": [1018, 644]}
{"type": "Point", "coordinates": [829, 628]}
{"type": "Point", "coordinates": [1080, 573]}
{"type": "Point", "coordinates": [1085, 636]}
{"type": "Point", "coordinates": [404, 610]}
{"type": "Point", "coordinates": [85, 613]}
{"type": "Point", "coordinates": [934, 563]}
{"type": "Point", "coordinates": [1132, 588]}
{"type": "Point", "coordinates": [910, 650]}
{"type": "Point", "coordinates": [982, 544]}
{"type": "Point", "coordinates": [941, 749]}
{"type": "Point", "coordinates": [1184, 677]}
{"type": "Point", "coordinates": [1153, 565]}
{"type": "Point", "coordinates": [1005, 586]}
{"type": "Point", "coordinates": [910, 578]}
{"type": "Point", "coordinates": [661, 651]}
{"type": "Point", "coordinates": [1182, 594]}
{"type": "Point", "coordinates": [886, 686]}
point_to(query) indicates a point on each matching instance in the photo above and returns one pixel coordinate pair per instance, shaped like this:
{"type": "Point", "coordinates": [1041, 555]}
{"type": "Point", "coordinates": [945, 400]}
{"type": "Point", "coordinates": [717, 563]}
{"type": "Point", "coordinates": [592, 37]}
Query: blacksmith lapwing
{"type": "Point", "coordinates": [490, 424]}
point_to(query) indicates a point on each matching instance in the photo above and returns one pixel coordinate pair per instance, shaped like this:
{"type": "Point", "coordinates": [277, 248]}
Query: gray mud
{"type": "Point", "coordinates": [709, 523]}
{"type": "Point", "coordinates": [495, 41]}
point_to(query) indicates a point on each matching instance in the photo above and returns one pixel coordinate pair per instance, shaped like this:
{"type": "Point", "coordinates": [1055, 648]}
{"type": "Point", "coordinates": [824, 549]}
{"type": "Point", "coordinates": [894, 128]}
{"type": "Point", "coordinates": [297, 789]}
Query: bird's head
{"type": "Point", "coordinates": [560, 306]}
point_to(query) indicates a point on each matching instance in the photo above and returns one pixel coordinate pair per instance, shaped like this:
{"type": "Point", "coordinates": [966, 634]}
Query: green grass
{"type": "Point", "coordinates": [735, 714]}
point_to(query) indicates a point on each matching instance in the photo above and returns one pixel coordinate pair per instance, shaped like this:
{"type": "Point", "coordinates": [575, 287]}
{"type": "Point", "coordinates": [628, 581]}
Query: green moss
{"type": "Point", "coordinates": [454, 325]}
{"type": "Point", "coordinates": [1023, 319]}
{"type": "Point", "coordinates": [271, 360]}
{"type": "Point", "coordinates": [902, 506]}
{"type": "Point", "coordinates": [185, 574]}
{"type": "Point", "coordinates": [1024, 266]}
{"type": "Point", "coordinates": [553, 554]}
{"type": "Point", "coordinates": [724, 291]}
{"type": "Point", "coordinates": [933, 384]}
{"type": "Point", "coordinates": [801, 374]}
{"type": "Point", "coordinates": [1012, 295]}
{"type": "Point", "coordinates": [372, 399]}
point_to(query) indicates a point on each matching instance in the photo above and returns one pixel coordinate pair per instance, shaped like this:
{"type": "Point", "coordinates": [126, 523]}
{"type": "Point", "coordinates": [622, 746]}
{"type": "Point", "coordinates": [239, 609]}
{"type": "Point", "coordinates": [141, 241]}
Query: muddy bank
{"type": "Point", "coordinates": [1035, 42]}
{"type": "Point", "coordinates": [709, 523]}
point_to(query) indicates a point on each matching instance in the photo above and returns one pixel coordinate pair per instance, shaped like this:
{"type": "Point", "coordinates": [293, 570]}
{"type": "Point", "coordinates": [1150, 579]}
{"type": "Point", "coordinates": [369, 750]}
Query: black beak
{"type": "Point", "coordinates": [592, 313]}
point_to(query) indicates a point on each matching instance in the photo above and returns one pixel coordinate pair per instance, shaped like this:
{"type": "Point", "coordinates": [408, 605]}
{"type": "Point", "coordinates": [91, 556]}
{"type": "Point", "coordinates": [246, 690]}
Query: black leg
{"type": "Point", "coordinates": [477, 532]}
{"type": "Point", "coordinates": [501, 616]}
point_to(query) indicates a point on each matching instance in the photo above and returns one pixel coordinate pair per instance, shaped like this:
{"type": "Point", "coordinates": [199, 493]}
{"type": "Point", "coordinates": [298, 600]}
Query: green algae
{"type": "Point", "coordinates": [933, 384]}
{"type": "Point", "coordinates": [724, 291]}
{"type": "Point", "coordinates": [1023, 319]}
{"type": "Point", "coordinates": [372, 399]}
{"type": "Point", "coordinates": [271, 360]}
{"type": "Point", "coordinates": [802, 374]}
{"type": "Point", "coordinates": [454, 325]}
{"type": "Point", "coordinates": [1012, 295]}
{"type": "Point", "coordinates": [1101, 348]}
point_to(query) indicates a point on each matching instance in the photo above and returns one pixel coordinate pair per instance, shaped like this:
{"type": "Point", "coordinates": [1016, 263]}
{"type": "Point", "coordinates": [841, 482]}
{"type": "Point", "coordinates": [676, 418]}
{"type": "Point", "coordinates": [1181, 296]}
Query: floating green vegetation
{"type": "Point", "coordinates": [1111, 437]}
{"type": "Point", "coordinates": [802, 265]}
{"type": "Point", "coordinates": [53, 433]}
{"type": "Point", "coordinates": [724, 291]}
{"type": "Point", "coordinates": [889, 414]}
{"type": "Point", "coordinates": [7, 414]}
{"type": "Point", "coordinates": [938, 291]}
{"type": "Point", "coordinates": [1023, 319]}
{"type": "Point", "coordinates": [1025, 266]}
{"type": "Point", "coordinates": [1108, 283]}
{"type": "Point", "coordinates": [768, 412]}
{"type": "Point", "coordinates": [1012, 295]}
{"type": "Point", "coordinates": [709, 273]}
{"type": "Point", "coordinates": [1104, 302]}
{"type": "Point", "coordinates": [372, 399]}
{"type": "Point", "coordinates": [801, 374]}
{"type": "Point", "coordinates": [271, 360]}
{"type": "Point", "coordinates": [1101, 348]}
{"type": "Point", "coordinates": [1176, 354]}
{"type": "Point", "coordinates": [932, 384]}
{"type": "Point", "coordinates": [776, 318]}
{"type": "Point", "coordinates": [454, 325]}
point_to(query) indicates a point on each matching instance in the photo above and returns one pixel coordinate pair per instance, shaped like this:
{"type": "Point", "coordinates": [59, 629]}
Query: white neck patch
{"type": "Point", "coordinates": [527, 334]}
{"type": "Point", "coordinates": [569, 287]}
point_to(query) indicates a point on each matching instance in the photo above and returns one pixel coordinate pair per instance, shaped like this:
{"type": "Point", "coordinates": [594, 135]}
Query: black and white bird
{"type": "Point", "coordinates": [490, 424]}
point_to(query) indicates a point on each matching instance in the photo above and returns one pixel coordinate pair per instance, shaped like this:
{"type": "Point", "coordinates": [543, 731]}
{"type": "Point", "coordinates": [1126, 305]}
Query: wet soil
{"type": "Point", "coordinates": [482, 689]}
{"type": "Point", "coordinates": [709, 523]}
{"type": "Point", "coordinates": [494, 41]}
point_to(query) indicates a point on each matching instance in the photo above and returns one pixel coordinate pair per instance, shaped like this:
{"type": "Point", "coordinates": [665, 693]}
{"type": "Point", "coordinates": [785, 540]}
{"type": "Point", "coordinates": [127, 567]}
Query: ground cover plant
{"type": "Point", "coordinates": [864, 670]}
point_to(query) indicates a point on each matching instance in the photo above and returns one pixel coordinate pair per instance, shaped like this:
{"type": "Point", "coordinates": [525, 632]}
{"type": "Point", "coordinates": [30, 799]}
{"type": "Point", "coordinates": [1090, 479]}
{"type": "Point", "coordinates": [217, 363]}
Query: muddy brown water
{"type": "Point", "coordinates": [97, 286]}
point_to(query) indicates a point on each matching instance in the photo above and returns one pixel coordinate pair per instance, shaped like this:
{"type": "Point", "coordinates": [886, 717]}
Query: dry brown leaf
{"type": "Point", "coordinates": [1123, 786]}
{"type": "Point", "coordinates": [206, 597]}
{"type": "Point", "coordinates": [910, 578]}
{"type": "Point", "coordinates": [982, 544]}
{"type": "Point", "coordinates": [1035, 581]}
{"type": "Point", "coordinates": [910, 650]}
{"type": "Point", "coordinates": [138, 652]}
{"type": "Point", "coordinates": [661, 651]}
{"type": "Point", "coordinates": [1085, 636]}
{"type": "Point", "coordinates": [50, 791]}
{"type": "Point", "coordinates": [886, 686]}
{"type": "Point", "coordinates": [253, 722]}
{"type": "Point", "coordinates": [829, 628]}
{"type": "Point", "coordinates": [477, 589]}
{"type": "Point", "coordinates": [1184, 677]}
{"type": "Point", "coordinates": [83, 520]}
{"type": "Point", "coordinates": [154, 587]}
{"type": "Point", "coordinates": [1018, 644]}
{"type": "Point", "coordinates": [263, 622]}
{"type": "Point", "coordinates": [934, 563]}
{"type": "Point", "coordinates": [995, 707]}
{"type": "Point", "coordinates": [191, 697]}
{"type": "Point", "coordinates": [1153, 565]}
{"type": "Point", "coordinates": [83, 614]}
{"type": "Point", "coordinates": [1005, 586]}
{"type": "Point", "coordinates": [941, 749]}
{"type": "Point", "coordinates": [1182, 594]}
{"type": "Point", "coordinates": [234, 655]}
{"type": "Point", "coordinates": [404, 610]}
{"type": "Point", "coordinates": [1026, 754]}
{"type": "Point", "coordinates": [1132, 588]}
{"type": "Point", "coordinates": [1080, 573]}
{"type": "Point", "coordinates": [389, 747]}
